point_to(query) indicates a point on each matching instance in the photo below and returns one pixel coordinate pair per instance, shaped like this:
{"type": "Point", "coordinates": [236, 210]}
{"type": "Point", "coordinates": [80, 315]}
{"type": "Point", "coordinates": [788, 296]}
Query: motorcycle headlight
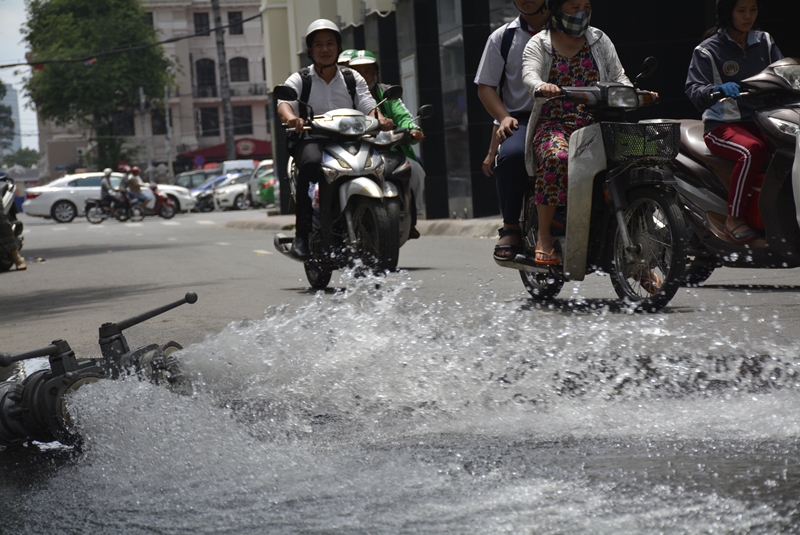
{"type": "Point", "coordinates": [790, 73]}
{"type": "Point", "coordinates": [622, 97]}
{"type": "Point", "coordinates": [785, 126]}
{"type": "Point", "coordinates": [352, 126]}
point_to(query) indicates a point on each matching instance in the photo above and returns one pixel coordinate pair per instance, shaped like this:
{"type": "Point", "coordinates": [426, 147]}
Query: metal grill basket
{"type": "Point", "coordinates": [654, 142]}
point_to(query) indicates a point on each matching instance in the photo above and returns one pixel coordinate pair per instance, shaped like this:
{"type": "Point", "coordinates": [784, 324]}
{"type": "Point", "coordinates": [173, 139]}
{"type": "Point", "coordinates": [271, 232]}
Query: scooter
{"type": "Point", "coordinates": [35, 408]}
{"type": "Point", "coordinates": [98, 210]}
{"type": "Point", "coordinates": [7, 191]}
{"type": "Point", "coordinates": [353, 223]}
{"type": "Point", "coordinates": [161, 204]}
{"type": "Point", "coordinates": [702, 181]}
{"type": "Point", "coordinates": [621, 216]}
{"type": "Point", "coordinates": [397, 173]}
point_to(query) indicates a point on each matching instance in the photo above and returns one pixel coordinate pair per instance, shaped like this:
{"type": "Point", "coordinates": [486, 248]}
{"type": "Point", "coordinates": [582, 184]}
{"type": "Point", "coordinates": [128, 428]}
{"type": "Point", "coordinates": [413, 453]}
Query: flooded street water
{"type": "Point", "coordinates": [374, 411]}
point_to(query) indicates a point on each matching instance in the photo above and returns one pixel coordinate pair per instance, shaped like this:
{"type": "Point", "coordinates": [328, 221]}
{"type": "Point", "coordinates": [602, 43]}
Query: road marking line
{"type": "Point", "coordinates": [205, 222]}
{"type": "Point", "coordinates": [222, 243]}
{"type": "Point", "coordinates": [261, 252]}
{"type": "Point", "coordinates": [134, 224]}
{"type": "Point", "coordinates": [172, 239]}
{"type": "Point", "coordinates": [170, 223]}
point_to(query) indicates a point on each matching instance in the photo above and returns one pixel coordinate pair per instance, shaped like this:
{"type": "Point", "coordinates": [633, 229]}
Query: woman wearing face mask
{"type": "Point", "coordinates": [568, 53]}
{"type": "Point", "coordinates": [732, 52]}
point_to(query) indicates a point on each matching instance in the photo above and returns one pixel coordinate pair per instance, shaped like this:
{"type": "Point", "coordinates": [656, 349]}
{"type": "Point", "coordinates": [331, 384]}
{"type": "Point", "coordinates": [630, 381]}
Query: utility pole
{"type": "Point", "coordinates": [225, 88]}
{"type": "Point", "coordinates": [168, 119]}
{"type": "Point", "coordinates": [148, 139]}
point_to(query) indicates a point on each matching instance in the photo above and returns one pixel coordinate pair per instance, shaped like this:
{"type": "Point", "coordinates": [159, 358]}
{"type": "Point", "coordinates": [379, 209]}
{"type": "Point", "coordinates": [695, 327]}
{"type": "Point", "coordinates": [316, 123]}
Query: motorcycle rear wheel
{"type": "Point", "coordinates": [657, 228]}
{"type": "Point", "coordinates": [377, 242]}
{"type": "Point", "coordinates": [542, 287]}
{"type": "Point", "coordinates": [393, 211]}
{"type": "Point", "coordinates": [95, 215]}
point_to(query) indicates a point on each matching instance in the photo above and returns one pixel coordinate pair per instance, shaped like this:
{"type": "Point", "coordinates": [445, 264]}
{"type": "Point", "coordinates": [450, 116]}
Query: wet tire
{"type": "Point", "coordinates": [699, 263]}
{"type": "Point", "coordinates": [657, 229]}
{"type": "Point", "coordinates": [393, 211]}
{"type": "Point", "coordinates": [377, 242]}
{"type": "Point", "coordinates": [167, 211]}
{"type": "Point", "coordinates": [94, 215]}
{"type": "Point", "coordinates": [63, 212]}
{"type": "Point", "coordinates": [317, 277]}
{"type": "Point", "coordinates": [241, 202]}
{"type": "Point", "coordinates": [542, 287]}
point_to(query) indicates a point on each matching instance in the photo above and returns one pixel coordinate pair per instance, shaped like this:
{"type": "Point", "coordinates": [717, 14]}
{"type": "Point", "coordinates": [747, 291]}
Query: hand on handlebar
{"type": "Point", "coordinates": [296, 123]}
{"type": "Point", "coordinates": [417, 135]}
{"type": "Point", "coordinates": [549, 90]}
{"type": "Point", "coordinates": [386, 124]}
{"type": "Point", "coordinates": [728, 90]}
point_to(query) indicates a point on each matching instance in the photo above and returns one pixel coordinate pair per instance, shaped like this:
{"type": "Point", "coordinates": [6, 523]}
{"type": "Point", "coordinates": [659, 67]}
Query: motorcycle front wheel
{"type": "Point", "coordinates": [377, 242]}
{"type": "Point", "coordinates": [94, 215]}
{"type": "Point", "coordinates": [317, 277]}
{"type": "Point", "coordinates": [167, 211]}
{"type": "Point", "coordinates": [137, 213]}
{"type": "Point", "coordinates": [650, 276]}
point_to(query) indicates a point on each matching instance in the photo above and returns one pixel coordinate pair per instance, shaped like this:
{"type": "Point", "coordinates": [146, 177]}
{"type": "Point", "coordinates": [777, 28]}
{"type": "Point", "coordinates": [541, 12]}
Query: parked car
{"type": "Point", "coordinates": [204, 193]}
{"type": "Point", "coordinates": [64, 198]}
{"type": "Point", "coordinates": [192, 179]}
{"type": "Point", "coordinates": [234, 192]}
{"type": "Point", "coordinates": [264, 187]}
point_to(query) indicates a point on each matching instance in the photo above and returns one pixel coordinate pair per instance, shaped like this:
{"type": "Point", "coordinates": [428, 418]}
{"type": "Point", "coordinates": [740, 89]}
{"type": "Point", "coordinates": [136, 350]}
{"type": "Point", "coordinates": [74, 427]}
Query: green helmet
{"type": "Point", "coordinates": [344, 57]}
{"type": "Point", "coordinates": [363, 57]}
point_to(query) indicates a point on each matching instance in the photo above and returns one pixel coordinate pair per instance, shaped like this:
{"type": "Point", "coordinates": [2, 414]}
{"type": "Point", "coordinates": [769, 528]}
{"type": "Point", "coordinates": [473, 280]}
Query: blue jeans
{"type": "Point", "coordinates": [510, 173]}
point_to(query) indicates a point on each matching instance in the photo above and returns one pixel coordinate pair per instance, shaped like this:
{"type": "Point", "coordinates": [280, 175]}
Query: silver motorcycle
{"type": "Point", "coordinates": [358, 226]}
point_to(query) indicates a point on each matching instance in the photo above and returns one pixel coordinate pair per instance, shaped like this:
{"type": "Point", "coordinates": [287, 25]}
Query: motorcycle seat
{"type": "Point", "coordinates": [692, 140]}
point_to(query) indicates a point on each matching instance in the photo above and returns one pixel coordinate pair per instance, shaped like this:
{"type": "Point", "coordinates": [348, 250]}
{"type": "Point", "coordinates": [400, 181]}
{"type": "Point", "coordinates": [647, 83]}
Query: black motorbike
{"type": "Point", "coordinates": [702, 181]}
{"type": "Point", "coordinates": [9, 206]}
{"type": "Point", "coordinates": [34, 408]}
{"type": "Point", "coordinates": [98, 210]}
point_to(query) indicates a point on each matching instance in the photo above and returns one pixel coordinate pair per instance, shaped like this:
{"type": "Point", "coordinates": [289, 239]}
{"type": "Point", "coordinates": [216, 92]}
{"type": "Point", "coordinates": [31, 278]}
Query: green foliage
{"type": "Point", "coordinates": [97, 94]}
{"type": "Point", "coordinates": [6, 123]}
{"type": "Point", "coordinates": [25, 157]}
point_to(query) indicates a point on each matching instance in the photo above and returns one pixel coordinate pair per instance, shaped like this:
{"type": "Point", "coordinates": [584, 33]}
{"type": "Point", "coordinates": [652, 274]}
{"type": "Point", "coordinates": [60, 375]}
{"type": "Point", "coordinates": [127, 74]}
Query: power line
{"type": "Point", "coordinates": [85, 59]}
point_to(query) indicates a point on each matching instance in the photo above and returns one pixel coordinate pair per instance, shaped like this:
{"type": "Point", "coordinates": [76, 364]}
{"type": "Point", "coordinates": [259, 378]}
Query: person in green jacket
{"type": "Point", "coordinates": [366, 64]}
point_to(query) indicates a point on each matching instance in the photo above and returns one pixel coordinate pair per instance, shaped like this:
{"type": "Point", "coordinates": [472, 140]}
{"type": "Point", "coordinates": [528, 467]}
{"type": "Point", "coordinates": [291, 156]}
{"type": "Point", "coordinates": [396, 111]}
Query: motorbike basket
{"type": "Point", "coordinates": [628, 142]}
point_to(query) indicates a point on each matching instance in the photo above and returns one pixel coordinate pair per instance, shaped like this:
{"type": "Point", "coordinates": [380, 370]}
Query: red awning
{"type": "Point", "coordinates": [246, 149]}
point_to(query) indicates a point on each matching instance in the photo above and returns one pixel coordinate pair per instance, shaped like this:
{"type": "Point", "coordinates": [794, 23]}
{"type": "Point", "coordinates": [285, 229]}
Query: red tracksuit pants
{"type": "Point", "coordinates": [743, 143]}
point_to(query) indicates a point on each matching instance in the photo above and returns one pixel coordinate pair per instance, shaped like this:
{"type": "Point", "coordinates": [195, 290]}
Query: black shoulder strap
{"type": "Point", "coordinates": [350, 80]}
{"type": "Point", "coordinates": [505, 47]}
{"type": "Point", "coordinates": [305, 74]}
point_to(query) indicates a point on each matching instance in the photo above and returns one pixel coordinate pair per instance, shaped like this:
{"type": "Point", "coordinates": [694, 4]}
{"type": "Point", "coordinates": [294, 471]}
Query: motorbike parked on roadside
{"type": "Point", "coordinates": [397, 173]}
{"type": "Point", "coordinates": [98, 210]}
{"type": "Point", "coordinates": [9, 206]}
{"type": "Point", "coordinates": [360, 227]}
{"type": "Point", "coordinates": [621, 217]}
{"type": "Point", "coordinates": [702, 181]}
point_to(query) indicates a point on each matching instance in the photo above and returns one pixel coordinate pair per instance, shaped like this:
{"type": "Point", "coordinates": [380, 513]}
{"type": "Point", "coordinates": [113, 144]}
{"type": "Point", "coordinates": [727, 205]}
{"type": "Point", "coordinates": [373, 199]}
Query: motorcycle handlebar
{"type": "Point", "coordinates": [7, 360]}
{"type": "Point", "coordinates": [190, 298]}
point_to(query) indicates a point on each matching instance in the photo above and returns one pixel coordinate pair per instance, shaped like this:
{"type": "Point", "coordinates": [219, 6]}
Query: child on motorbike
{"type": "Point", "coordinates": [365, 63]}
{"type": "Point", "coordinates": [568, 53]}
{"type": "Point", "coordinates": [732, 51]}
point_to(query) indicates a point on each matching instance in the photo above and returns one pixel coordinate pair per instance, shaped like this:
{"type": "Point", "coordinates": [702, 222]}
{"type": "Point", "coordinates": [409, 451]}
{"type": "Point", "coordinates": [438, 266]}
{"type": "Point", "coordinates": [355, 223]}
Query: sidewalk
{"type": "Point", "coordinates": [471, 228]}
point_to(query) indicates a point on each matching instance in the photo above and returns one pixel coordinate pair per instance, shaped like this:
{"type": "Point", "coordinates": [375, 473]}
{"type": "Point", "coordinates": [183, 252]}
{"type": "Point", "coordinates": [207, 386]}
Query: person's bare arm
{"type": "Point", "coordinates": [494, 144]}
{"type": "Point", "coordinates": [494, 105]}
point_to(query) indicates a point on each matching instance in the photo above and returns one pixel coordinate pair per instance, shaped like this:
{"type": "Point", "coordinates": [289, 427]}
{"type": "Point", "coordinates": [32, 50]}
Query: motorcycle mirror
{"type": "Point", "coordinates": [425, 111]}
{"type": "Point", "coordinates": [284, 92]}
{"type": "Point", "coordinates": [649, 66]}
{"type": "Point", "coordinates": [393, 93]}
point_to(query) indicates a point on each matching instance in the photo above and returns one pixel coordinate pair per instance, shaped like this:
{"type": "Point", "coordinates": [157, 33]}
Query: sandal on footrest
{"type": "Point", "coordinates": [514, 249]}
{"type": "Point", "coordinates": [741, 237]}
{"type": "Point", "coordinates": [549, 259]}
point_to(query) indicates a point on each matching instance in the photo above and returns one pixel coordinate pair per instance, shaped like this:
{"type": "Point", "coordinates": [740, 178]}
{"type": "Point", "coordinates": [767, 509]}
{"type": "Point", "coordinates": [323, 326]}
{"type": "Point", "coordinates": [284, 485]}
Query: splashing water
{"type": "Point", "coordinates": [372, 411]}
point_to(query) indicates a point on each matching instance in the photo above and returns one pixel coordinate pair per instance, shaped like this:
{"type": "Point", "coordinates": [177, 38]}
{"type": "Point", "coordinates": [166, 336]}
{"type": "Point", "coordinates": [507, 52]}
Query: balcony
{"type": "Point", "coordinates": [208, 91]}
{"type": "Point", "coordinates": [247, 89]}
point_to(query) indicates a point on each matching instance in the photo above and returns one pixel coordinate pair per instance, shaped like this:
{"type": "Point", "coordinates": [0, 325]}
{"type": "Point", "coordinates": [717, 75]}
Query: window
{"type": "Point", "coordinates": [89, 182]}
{"type": "Point", "coordinates": [239, 71]}
{"type": "Point", "coordinates": [159, 123]}
{"type": "Point", "coordinates": [206, 78]}
{"type": "Point", "coordinates": [148, 18]}
{"type": "Point", "coordinates": [242, 120]}
{"type": "Point", "coordinates": [201, 24]}
{"type": "Point", "coordinates": [235, 21]}
{"type": "Point", "coordinates": [209, 122]}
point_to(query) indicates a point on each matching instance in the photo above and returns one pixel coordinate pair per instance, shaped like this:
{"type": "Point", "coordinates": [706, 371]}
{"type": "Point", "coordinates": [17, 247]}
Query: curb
{"type": "Point", "coordinates": [467, 228]}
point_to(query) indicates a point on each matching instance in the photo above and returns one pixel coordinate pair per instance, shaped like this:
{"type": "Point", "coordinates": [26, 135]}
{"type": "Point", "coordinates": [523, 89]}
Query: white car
{"type": "Point", "coordinates": [64, 198]}
{"type": "Point", "coordinates": [234, 192]}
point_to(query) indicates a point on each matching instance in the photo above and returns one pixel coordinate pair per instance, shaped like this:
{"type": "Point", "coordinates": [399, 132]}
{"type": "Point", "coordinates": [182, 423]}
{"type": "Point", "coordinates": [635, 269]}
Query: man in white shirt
{"type": "Point", "coordinates": [331, 88]}
{"type": "Point", "coordinates": [505, 97]}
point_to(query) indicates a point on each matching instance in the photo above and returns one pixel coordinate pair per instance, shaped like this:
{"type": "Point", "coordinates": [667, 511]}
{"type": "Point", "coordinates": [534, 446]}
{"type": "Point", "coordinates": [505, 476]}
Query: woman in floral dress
{"type": "Point", "coordinates": [568, 53]}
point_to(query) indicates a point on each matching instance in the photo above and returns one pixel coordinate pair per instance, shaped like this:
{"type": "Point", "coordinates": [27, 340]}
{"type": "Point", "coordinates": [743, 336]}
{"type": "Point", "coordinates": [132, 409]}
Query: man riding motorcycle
{"type": "Point", "coordinates": [326, 86]}
{"type": "Point", "coordinates": [110, 194]}
{"type": "Point", "coordinates": [365, 63]}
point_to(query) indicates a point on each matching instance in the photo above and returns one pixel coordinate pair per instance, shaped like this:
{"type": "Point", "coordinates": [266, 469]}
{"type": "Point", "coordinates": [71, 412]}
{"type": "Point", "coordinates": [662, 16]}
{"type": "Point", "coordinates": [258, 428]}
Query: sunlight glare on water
{"type": "Point", "coordinates": [371, 410]}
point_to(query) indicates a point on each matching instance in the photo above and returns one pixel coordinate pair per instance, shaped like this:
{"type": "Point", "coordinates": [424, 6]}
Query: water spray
{"type": "Point", "coordinates": [34, 408]}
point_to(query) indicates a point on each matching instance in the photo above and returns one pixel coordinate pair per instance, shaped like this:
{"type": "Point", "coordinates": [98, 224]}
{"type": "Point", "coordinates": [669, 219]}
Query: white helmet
{"type": "Point", "coordinates": [107, 171]}
{"type": "Point", "coordinates": [319, 25]}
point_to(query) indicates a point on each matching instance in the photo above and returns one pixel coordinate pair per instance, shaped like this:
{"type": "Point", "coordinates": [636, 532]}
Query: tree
{"type": "Point", "coordinates": [25, 157]}
{"type": "Point", "coordinates": [6, 122]}
{"type": "Point", "coordinates": [101, 93]}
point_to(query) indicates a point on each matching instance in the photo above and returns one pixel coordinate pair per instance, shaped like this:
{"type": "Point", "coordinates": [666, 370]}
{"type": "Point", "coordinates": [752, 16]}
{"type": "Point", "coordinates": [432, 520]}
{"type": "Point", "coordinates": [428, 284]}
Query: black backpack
{"type": "Point", "coordinates": [305, 74]}
{"type": "Point", "coordinates": [505, 47]}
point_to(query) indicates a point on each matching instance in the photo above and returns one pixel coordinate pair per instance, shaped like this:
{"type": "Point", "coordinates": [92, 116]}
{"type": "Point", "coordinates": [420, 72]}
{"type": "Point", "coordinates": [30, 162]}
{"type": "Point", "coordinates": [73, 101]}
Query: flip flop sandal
{"type": "Point", "coordinates": [515, 249]}
{"type": "Point", "coordinates": [552, 259]}
{"type": "Point", "coordinates": [650, 282]}
{"type": "Point", "coordinates": [743, 236]}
